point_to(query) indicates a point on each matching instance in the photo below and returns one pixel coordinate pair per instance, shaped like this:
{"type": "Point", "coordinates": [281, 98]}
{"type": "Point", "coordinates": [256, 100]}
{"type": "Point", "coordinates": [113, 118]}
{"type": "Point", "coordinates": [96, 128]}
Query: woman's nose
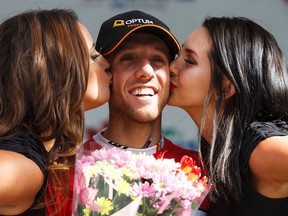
{"type": "Point", "coordinates": [173, 69]}
{"type": "Point", "coordinates": [105, 64]}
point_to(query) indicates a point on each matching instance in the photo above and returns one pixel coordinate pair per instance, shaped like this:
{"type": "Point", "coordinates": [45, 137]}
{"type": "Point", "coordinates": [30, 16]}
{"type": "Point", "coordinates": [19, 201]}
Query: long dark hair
{"type": "Point", "coordinates": [249, 56]}
{"type": "Point", "coordinates": [44, 66]}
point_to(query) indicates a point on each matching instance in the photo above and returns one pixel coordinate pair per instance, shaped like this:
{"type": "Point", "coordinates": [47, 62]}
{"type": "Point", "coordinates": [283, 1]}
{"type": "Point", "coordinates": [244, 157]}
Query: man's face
{"type": "Point", "coordinates": [140, 68]}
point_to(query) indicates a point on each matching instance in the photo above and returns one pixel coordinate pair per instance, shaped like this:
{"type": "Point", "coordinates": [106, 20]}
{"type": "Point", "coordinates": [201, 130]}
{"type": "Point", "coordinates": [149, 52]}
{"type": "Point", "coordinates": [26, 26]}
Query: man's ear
{"type": "Point", "coordinates": [228, 89]}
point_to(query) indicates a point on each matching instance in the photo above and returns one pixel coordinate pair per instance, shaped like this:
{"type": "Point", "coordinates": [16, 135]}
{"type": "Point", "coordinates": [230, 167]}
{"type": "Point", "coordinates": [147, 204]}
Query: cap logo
{"type": "Point", "coordinates": [118, 23]}
{"type": "Point", "coordinates": [131, 22]}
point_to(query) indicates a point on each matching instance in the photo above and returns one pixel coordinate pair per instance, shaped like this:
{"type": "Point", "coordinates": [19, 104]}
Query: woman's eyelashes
{"type": "Point", "coordinates": [94, 57]}
{"type": "Point", "coordinates": [189, 61]}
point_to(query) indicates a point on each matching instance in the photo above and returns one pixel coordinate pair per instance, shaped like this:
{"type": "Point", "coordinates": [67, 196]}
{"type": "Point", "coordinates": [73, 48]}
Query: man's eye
{"type": "Point", "coordinates": [158, 59]}
{"type": "Point", "coordinates": [127, 58]}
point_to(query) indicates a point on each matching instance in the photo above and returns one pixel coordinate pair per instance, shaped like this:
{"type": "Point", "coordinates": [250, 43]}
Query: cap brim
{"type": "Point", "coordinates": [156, 30]}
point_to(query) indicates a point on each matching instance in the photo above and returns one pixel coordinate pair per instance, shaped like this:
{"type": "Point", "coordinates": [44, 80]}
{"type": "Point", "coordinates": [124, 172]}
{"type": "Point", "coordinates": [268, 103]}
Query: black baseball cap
{"type": "Point", "coordinates": [114, 31]}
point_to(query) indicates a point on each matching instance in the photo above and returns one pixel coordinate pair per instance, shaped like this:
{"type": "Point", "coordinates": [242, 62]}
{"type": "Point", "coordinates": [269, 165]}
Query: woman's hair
{"type": "Point", "coordinates": [249, 56]}
{"type": "Point", "coordinates": [44, 66]}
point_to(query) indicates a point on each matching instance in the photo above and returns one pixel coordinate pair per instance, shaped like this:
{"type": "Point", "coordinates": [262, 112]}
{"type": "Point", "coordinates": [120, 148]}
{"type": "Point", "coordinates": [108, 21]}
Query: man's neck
{"type": "Point", "coordinates": [134, 135]}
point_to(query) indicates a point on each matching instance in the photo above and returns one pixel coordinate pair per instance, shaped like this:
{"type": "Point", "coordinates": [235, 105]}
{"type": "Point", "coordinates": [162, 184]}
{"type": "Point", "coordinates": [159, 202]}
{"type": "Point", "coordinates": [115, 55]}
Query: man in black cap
{"type": "Point", "coordinates": [139, 48]}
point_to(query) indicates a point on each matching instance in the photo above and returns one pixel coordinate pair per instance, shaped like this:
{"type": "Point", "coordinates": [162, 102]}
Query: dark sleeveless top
{"type": "Point", "coordinates": [32, 148]}
{"type": "Point", "coordinates": [253, 203]}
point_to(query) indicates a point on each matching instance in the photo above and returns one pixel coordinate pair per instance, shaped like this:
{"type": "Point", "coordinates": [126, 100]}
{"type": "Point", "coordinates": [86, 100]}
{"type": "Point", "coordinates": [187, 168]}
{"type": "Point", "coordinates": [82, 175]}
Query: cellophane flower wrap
{"type": "Point", "coordinates": [121, 183]}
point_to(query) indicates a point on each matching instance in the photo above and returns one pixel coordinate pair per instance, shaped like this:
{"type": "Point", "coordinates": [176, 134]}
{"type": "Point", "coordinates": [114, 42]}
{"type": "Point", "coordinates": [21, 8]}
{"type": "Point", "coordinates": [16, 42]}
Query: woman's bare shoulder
{"type": "Point", "coordinates": [268, 165]}
{"type": "Point", "coordinates": [21, 179]}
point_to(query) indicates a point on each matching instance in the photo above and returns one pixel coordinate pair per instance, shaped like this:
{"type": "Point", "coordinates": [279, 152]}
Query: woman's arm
{"type": "Point", "coordinates": [20, 180]}
{"type": "Point", "coordinates": [269, 167]}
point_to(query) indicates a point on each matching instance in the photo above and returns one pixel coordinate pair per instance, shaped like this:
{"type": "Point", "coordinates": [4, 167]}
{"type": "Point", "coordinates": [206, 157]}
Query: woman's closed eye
{"type": "Point", "coordinates": [94, 57]}
{"type": "Point", "coordinates": [189, 61]}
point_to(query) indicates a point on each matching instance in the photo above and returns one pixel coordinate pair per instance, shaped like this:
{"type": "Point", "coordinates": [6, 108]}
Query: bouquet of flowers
{"type": "Point", "coordinates": [117, 182]}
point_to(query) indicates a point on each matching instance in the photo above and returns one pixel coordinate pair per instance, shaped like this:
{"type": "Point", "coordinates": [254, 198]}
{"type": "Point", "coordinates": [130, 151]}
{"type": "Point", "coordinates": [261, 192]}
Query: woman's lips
{"type": "Point", "coordinates": [172, 85]}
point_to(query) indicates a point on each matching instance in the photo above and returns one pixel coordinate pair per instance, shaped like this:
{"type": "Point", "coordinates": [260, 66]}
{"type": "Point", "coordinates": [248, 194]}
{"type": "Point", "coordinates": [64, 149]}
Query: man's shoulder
{"type": "Point", "coordinates": [91, 140]}
{"type": "Point", "coordinates": [172, 150]}
{"type": "Point", "coordinates": [91, 145]}
{"type": "Point", "coordinates": [168, 144]}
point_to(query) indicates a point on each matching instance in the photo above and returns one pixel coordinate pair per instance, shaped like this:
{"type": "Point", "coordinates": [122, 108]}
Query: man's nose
{"type": "Point", "coordinates": [145, 71]}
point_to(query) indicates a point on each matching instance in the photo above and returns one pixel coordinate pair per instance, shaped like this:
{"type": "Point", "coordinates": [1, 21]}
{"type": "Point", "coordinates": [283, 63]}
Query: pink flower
{"type": "Point", "coordinates": [164, 183]}
{"type": "Point", "coordinates": [83, 178]}
{"type": "Point", "coordinates": [87, 196]}
{"type": "Point", "coordinates": [84, 160]}
{"type": "Point", "coordinates": [143, 189]}
{"type": "Point", "coordinates": [115, 155]}
{"type": "Point", "coordinates": [110, 179]}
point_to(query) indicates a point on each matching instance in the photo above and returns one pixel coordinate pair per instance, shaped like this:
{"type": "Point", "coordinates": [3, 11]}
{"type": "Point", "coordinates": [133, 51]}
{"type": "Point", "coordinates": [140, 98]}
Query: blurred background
{"type": "Point", "coordinates": [182, 16]}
